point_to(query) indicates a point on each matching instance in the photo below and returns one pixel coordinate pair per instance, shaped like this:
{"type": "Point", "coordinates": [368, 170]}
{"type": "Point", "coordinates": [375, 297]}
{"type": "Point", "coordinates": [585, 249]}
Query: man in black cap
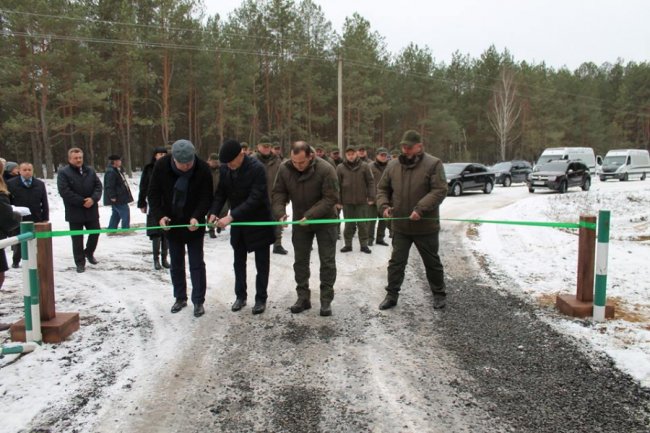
{"type": "Point", "coordinates": [117, 193]}
{"type": "Point", "coordinates": [180, 193]}
{"type": "Point", "coordinates": [80, 189]}
{"type": "Point", "coordinates": [242, 182]}
{"type": "Point", "coordinates": [413, 186]}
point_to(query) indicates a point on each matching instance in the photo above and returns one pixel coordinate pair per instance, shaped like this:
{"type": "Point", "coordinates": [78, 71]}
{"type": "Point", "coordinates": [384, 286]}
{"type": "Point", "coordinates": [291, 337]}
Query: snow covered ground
{"type": "Point", "coordinates": [541, 262]}
{"type": "Point", "coordinates": [126, 332]}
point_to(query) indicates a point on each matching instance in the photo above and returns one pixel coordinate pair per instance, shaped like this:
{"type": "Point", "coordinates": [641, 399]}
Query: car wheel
{"type": "Point", "coordinates": [531, 189]}
{"type": "Point", "coordinates": [488, 187]}
{"type": "Point", "coordinates": [586, 184]}
{"type": "Point", "coordinates": [625, 178]}
{"type": "Point", "coordinates": [603, 178]}
{"type": "Point", "coordinates": [563, 187]}
{"type": "Point", "coordinates": [456, 189]}
{"type": "Point", "coordinates": [507, 181]}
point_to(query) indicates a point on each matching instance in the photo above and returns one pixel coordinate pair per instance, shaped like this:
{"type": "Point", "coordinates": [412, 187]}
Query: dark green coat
{"type": "Point", "coordinates": [356, 182]}
{"type": "Point", "coordinates": [313, 193]}
{"type": "Point", "coordinates": [419, 185]}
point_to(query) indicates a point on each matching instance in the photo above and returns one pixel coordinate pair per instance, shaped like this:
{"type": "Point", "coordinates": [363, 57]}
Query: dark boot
{"type": "Point", "coordinates": [300, 306]}
{"type": "Point", "coordinates": [325, 307]}
{"type": "Point", "coordinates": [164, 251]}
{"type": "Point", "coordinates": [389, 302]}
{"type": "Point", "coordinates": [155, 246]}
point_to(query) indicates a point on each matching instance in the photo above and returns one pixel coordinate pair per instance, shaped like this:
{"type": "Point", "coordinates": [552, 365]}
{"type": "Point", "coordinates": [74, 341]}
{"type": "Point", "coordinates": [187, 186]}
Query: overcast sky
{"type": "Point", "coordinates": [557, 32]}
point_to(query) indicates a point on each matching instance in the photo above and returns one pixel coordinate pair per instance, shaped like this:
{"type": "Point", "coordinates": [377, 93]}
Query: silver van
{"type": "Point", "coordinates": [584, 154]}
{"type": "Point", "coordinates": [625, 164]}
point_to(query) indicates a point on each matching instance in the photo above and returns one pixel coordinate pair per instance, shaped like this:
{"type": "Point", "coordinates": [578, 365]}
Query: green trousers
{"type": "Point", "coordinates": [303, 239]}
{"type": "Point", "coordinates": [355, 211]}
{"type": "Point", "coordinates": [427, 246]}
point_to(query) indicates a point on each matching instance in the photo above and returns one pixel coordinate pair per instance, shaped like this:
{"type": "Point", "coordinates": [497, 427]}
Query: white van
{"type": "Point", "coordinates": [584, 154]}
{"type": "Point", "coordinates": [623, 164]}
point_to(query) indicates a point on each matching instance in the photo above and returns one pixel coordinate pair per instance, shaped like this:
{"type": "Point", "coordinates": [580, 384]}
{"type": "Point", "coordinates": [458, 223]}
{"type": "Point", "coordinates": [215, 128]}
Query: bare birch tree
{"type": "Point", "coordinates": [504, 110]}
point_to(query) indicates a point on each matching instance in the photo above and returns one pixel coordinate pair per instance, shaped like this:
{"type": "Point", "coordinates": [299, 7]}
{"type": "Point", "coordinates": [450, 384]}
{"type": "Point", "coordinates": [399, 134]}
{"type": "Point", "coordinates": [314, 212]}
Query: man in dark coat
{"type": "Point", "coordinates": [29, 192]}
{"type": "Point", "coordinates": [310, 184]}
{"type": "Point", "coordinates": [180, 192]}
{"type": "Point", "coordinates": [117, 193]}
{"type": "Point", "coordinates": [412, 189]}
{"type": "Point", "coordinates": [158, 238]}
{"type": "Point", "coordinates": [242, 182]}
{"type": "Point", "coordinates": [81, 190]}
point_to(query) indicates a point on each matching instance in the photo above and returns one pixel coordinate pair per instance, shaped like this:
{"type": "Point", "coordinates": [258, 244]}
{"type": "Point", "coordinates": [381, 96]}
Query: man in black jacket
{"type": "Point", "coordinates": [117, 193]}
{"type": "Point", "coordinates": [29, 192]}
{"type": "Point", "coordinates": [80, 189]}
{"type": "Point", "coordinates": [180, 193]}
{"type": "Point", "coordinates": [242, 182]}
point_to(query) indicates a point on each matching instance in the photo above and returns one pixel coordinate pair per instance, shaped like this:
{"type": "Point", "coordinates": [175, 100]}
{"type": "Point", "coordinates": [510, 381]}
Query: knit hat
{"type": "Point", "coordinates": [411, 138]}
{"type": "Point", "coordinates": [10, 165]}
{"type": "Point", "coordinates": [159, 149]}
{"type": "Point", "coordinates": [114, 158]}
{"type": "Point", "coordinates": [229, 151]}
{"type": "Point", "coordinates": [213, 157]}
{"type": "Point", "coordinates": [183, 151]}
{"type": "Point", "coordinates": [382, 150]}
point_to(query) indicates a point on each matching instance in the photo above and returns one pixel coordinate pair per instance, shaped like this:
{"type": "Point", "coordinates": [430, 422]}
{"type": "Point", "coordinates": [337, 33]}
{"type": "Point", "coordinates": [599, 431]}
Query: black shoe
{"type": "Point", "coordinates": [199, 310]}
{"type": "Point", "coordinates": [279, 249]}
{"type": "Point", "coordinates": [15, 265]}
{"type": "Point", "coordinates": [259, 307]}
{"type": "Point", "coordinates": [81, 269]}
{"type": "Point", "coordinates": [325, 308]}
{"type": "Point", "coordinates": [370, 242]}
{"type": "Point", "coordinates": [165, 263]}
{"type": "Point", "coordinates": [300, 306]}
{"type": "Point", "coordinates": [213, 235]}
{"type": "Point", "coordinates": [238, 304]}
{"type": "Point", "coordinates": [156, 264]}
{"type": "Point", "coordinates": [346, 249]}
{"type": "Point", "coordinates": [439, 302]}
{"type": "Point", "coordinates": [382, 242]}
{"type": "Point", "coordinates": [387, 303]}
{"type": "Point", "coordinates": [91, 259]}
{"type": "Point", "coordinates": [178, 306]}
{"type": "Point", "coordinates": [365, 250]}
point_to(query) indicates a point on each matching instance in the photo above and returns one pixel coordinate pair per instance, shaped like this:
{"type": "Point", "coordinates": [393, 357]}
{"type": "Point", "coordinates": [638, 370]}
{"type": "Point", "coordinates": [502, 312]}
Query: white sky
{"type": "Point", "coordinates": [559, 33]}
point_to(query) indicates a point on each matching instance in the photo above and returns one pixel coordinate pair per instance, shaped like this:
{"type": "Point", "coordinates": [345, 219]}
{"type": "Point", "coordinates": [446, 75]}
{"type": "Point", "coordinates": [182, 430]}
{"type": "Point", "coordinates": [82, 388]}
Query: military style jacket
{"type": "Point", "coordinates": [356, 182]}
{"type": "Point", "coordinates": [313, 193]}
{"type": "Point", "coordinates": [416, 185]}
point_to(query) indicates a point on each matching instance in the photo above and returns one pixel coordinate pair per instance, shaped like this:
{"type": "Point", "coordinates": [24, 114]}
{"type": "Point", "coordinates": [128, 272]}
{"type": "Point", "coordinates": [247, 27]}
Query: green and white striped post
{"type": "Point", "coordinates": [602, 248]}
{"type": "Point", "coordinates": [15, 349]}
{"type": "Point", "coordinates": [31, 293]}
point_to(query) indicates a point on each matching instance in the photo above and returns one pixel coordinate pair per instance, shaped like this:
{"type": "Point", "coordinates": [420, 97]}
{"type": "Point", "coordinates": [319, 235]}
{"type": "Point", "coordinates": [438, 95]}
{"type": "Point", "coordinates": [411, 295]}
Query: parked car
{"type": "Point", "coordinates": [559, 175]}
{"type": "Point", "coordinates": [624, 164]}
{"type": "Point", "coordinates": [584, 154]}
{"type": "Point", "coordinates": [465, 176]}
{"type": "Point", "coordinates": [509, 172]}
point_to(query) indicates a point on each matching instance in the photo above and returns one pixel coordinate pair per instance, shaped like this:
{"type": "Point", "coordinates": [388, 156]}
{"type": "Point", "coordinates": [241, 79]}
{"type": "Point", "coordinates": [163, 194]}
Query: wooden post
{"type": "Point", "coordinates": [46, 273]}
{"type": "Point", "coordinates": [586, 260]}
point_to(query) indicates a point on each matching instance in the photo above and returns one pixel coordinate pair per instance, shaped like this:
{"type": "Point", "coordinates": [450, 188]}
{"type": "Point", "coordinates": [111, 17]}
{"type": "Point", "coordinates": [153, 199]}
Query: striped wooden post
{"type": "Point", "coordinates": [600, 295]}
{"type": "Point", "coordinates": [15, 349]}
{"type": "Point", "coordinates": [30, 286]}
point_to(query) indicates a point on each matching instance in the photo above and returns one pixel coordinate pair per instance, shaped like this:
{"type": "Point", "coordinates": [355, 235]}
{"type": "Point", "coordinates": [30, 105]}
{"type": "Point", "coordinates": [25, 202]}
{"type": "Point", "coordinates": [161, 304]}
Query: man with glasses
{"type": "Point", "coordinates": [311, 185]}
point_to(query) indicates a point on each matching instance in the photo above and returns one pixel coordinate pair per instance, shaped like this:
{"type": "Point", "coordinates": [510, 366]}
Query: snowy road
{"type": "Point", "coordinates": [485, 364]}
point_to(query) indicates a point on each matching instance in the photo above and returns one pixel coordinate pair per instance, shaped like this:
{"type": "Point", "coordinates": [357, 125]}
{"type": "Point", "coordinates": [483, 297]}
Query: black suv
{"type": "Point", "coordinates": [559, 175]}
{"type": "Point", "coordinates": [510, 172]}
{"type": "Point", "coordinates": [463, 176]}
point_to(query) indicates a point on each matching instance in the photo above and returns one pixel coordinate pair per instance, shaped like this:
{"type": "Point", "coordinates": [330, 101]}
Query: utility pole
{"type": "Point", "coordinates": [340, 108]}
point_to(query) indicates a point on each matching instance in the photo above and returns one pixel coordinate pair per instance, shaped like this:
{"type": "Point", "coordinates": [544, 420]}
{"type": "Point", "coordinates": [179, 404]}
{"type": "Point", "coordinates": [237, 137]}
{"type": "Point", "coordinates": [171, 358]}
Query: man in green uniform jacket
{"type": "Point", "coordinates": [413, 187]}
{"type": "Point", "coordinates": [311, 185]}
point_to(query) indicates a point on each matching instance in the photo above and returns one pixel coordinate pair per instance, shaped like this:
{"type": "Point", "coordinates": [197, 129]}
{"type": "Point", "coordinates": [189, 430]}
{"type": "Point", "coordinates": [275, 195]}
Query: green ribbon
{"type": "Point", "coordinates": [564, 225]}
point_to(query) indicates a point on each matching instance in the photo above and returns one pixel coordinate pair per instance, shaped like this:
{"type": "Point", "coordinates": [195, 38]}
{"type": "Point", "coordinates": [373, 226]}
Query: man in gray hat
{"type": "Point", "coordinates": [413, 186]}
{"type": "Point", "coordinates": [180, 193]}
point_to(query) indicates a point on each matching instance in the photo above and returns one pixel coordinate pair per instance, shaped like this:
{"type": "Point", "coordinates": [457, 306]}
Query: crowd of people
{"type": "Point", "coordinates": [185, 197]}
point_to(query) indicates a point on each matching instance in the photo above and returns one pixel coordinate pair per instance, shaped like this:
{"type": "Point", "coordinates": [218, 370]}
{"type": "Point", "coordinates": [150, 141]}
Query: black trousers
{"type": "Point", "coordinates": [262, 264]}
{"type": "Point", "coordinates": [78, 250]}
{"type": "Point", "coordinates": [197, 268]}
